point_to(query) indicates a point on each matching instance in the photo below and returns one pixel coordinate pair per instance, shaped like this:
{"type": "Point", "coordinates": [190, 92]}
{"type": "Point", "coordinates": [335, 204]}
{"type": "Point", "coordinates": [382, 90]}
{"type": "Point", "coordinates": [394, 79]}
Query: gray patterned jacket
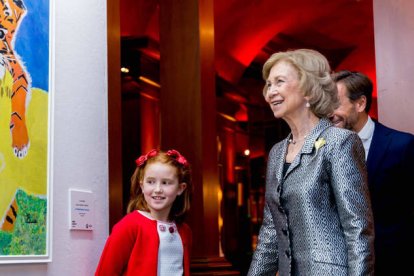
{"type": "Point", "coordinates": [317, 218]}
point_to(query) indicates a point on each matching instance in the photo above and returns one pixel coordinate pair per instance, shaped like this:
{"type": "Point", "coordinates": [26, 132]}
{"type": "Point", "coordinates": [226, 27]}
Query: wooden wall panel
{"type": "Point", "coordinates": [188, 108]}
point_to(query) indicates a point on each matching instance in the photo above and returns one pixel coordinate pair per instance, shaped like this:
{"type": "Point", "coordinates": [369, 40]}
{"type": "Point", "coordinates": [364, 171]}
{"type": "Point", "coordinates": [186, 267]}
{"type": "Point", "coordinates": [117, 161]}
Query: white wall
{"type": "Point", "coordinates": [394, 44]}
{"type": "Point", "coordinates": [80, 155]}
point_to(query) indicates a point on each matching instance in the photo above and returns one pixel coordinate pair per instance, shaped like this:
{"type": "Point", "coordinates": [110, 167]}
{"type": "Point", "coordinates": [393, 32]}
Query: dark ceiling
{"type": "Point", "coordinates": [247, 32]}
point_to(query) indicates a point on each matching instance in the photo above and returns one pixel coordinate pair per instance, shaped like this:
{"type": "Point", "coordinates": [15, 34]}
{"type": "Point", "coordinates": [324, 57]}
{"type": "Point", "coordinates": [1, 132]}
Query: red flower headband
{"type": "Point", "coordinates": [177, 156]}
{"type": "Point", "coordinates": [140, 161]}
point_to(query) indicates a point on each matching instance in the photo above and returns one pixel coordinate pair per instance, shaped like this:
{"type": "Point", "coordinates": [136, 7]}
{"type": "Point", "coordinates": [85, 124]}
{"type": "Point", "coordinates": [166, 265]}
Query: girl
{"type": "Point", "coordinates": [152, 238]}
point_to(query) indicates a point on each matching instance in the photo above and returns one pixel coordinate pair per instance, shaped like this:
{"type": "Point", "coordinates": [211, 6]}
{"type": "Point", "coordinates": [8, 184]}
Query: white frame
{"type": "Point", "coordinates": [15, 259]}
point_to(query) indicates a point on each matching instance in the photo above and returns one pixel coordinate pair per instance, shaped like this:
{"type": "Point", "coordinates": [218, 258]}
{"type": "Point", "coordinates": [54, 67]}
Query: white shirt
{"type": "Point", "coordinates": [366, 134]}
{"type": "Point", "coordinates": [170, 251]}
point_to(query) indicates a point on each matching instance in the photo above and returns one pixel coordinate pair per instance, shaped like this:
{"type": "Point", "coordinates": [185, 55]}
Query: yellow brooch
{"type": "Point", "coordinates": [319, 143]}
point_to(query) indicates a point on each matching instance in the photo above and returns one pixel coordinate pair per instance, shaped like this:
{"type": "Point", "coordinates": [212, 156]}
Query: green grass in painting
{"type": "Point", "coordinates": [29, 234]}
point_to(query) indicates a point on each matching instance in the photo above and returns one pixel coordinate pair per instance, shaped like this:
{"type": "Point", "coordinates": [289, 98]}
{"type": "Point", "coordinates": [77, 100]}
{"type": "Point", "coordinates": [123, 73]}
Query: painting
{"type": "Point", "coordinates": [25, 127]}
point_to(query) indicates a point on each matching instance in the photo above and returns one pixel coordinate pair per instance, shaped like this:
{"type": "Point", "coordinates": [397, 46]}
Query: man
{"type": "Point", "coordinates": [389, 156]}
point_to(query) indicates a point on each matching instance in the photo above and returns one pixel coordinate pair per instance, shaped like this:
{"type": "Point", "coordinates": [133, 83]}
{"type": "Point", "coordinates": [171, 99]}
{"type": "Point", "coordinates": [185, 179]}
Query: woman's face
{"type": "Point", "coordinates": [283, 93]}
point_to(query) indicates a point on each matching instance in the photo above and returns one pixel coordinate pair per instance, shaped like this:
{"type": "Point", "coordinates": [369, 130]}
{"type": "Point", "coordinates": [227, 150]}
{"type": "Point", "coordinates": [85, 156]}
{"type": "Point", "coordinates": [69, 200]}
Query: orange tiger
{"type": "Point", "coordinates": [11, 14]}
{"type": "Point", "coordinates": [10, 217]}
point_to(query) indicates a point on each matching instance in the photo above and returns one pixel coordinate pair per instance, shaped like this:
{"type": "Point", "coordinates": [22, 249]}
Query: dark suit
{"type": "Point", "coordinates": [390, 166]}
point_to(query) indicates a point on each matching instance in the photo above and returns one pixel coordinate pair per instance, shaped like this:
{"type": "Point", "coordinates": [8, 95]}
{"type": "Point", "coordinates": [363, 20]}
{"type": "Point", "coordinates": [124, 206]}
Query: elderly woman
{"type": "Point", "coordinates": [317, 216]}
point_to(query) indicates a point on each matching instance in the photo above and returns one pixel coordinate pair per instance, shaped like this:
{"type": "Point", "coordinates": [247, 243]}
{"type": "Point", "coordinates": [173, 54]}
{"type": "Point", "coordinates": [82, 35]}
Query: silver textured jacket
{"type": "Point", "coordinates": [317, 218]}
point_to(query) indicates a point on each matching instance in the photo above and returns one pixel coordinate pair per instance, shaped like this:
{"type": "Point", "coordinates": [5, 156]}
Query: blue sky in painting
{"type": "Point", "coordinates": [32, 42]}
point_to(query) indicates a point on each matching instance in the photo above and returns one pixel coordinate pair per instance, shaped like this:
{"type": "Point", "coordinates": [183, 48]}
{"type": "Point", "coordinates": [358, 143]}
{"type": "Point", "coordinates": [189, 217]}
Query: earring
{"type": "Point", "coordinates": [307, 104]}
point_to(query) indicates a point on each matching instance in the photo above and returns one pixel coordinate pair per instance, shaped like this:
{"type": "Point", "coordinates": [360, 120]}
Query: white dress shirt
{"type": "Point", "coordinates": [366, 134]}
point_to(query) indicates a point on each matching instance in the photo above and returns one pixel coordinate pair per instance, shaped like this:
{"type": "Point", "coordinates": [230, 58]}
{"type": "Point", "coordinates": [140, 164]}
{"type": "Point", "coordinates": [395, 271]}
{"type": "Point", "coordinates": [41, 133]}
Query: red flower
{"type": "Point", "coordinates": [177, 156]}
{"type": "Point", "coordinates": [140, 161]}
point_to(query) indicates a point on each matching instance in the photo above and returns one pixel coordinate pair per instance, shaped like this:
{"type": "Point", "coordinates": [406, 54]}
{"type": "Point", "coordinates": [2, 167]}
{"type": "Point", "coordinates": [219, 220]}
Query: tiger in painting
{"type": "Point", "coordinates": [10, 217]}
{"type": "Point", "coordinates": [11, 14]}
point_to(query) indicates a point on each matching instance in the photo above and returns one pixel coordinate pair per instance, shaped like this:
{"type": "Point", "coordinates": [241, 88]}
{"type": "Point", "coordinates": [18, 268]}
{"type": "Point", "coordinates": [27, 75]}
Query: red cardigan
{"type": "Point", "coordinates": [132, 247]}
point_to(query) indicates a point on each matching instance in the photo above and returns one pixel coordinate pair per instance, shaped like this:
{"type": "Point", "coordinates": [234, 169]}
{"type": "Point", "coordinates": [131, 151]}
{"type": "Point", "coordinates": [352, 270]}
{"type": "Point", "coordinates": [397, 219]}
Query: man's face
{"type": "Point", "coordinates": [346, 115]}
